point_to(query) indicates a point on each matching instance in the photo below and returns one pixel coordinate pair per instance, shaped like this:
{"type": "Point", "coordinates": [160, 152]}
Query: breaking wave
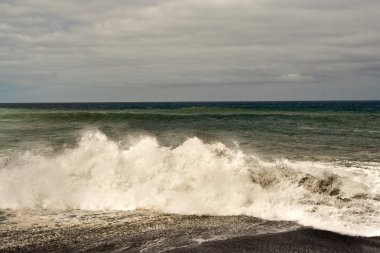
{"type": "Point", "coordinates": [193, 178]}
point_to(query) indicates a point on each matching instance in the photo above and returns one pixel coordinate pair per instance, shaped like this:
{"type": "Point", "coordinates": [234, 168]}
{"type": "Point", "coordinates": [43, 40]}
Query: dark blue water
{"type": "Point", "coordinates": [270, 105]}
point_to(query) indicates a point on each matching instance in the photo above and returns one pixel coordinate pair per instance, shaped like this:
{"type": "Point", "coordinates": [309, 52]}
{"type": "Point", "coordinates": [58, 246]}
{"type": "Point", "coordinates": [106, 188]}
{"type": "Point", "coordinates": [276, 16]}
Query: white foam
{"type": "Point", "coordinates": [193, 178]}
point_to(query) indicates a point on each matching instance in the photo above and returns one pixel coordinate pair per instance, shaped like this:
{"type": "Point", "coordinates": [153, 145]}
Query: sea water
{"type": "Point", "coordinates": [313, 163]}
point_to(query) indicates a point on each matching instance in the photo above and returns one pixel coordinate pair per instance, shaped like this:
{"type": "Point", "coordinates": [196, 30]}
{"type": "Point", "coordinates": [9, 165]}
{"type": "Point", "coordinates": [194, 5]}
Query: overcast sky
{"type": "Point", "coordinates": [180, 50]}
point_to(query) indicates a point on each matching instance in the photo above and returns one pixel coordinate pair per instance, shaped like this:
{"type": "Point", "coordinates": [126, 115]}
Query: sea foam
{"type": "Point", "coordinates": [193, 178]}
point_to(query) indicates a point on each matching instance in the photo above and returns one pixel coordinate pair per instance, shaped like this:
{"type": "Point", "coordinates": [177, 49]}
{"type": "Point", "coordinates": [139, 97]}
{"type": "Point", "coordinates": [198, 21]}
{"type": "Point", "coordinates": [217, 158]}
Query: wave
{"type": "Point", "coordinates": [193, 178]}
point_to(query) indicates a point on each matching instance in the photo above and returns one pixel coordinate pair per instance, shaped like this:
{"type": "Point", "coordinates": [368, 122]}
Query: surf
{"type": "Point", "coordinates": [193, 178]}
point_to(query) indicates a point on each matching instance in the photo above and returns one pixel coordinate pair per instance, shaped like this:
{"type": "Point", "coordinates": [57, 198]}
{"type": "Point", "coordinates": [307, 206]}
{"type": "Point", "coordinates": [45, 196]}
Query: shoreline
{"type": "Point", "coordinates": [149, 231]}
{"type": "Point", "coordinates": [300, 240]}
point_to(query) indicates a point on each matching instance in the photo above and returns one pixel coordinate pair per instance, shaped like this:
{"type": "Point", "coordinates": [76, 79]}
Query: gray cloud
{"type": "Point", "coordinates": [189, 50]}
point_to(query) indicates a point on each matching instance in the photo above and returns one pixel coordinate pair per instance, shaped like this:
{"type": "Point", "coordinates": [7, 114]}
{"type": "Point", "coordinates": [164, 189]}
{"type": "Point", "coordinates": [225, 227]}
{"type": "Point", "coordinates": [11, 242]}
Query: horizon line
{"type": "Point", "coordinates": [198, 101]}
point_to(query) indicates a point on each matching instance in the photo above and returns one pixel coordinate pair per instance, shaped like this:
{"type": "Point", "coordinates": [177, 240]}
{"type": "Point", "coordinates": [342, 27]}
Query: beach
{"type": "Point", "coordinates": [302, 240]}
{"type": "Point", "coordinates": [147, 231]}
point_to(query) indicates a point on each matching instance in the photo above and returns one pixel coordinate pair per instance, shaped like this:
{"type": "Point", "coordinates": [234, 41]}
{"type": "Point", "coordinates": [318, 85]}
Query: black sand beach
{"type": "Point", "coordinates": [302, 240]}
{"type": "Point", "coordinates": [146, 231]}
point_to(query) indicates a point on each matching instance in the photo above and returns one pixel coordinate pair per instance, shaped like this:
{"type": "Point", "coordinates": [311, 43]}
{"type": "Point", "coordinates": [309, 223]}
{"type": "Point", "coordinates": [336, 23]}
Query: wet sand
{"type": "Point", "coordinates": [303, 240]}
{"type": "Point", "coordinates": [147, 231]}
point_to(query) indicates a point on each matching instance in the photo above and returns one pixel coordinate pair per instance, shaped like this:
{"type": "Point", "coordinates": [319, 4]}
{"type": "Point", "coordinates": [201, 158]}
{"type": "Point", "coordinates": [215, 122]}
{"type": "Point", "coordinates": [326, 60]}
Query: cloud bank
{"type": "Point", "coordinates": [155, 50]}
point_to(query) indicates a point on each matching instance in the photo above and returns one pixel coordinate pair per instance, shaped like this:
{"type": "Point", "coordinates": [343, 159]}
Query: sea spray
{"type": "Point", "coordinates": [192, 178]}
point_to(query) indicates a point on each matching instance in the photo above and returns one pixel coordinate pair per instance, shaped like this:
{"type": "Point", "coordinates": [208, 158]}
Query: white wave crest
{"type": "Point", "coordinates": [193, 178]}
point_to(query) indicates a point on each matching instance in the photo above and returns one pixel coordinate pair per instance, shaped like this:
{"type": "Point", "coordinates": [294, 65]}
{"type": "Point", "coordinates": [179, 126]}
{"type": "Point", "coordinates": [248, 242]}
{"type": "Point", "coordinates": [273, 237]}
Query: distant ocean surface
{"type": "Point", "coordinates": [313, 163]}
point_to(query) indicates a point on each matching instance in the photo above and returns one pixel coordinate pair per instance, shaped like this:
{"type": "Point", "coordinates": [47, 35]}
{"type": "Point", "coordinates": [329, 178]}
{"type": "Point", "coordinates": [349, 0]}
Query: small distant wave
{"type": "Point", "coordinates": [193, 178]}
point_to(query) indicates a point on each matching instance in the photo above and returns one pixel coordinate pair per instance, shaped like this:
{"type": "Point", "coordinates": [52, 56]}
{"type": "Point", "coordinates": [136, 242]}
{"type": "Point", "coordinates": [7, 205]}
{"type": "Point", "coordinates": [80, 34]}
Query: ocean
{"type": "Point", "coordinates": [172, 176]}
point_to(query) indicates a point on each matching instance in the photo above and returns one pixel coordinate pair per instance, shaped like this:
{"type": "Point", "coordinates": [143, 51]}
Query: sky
{"type": "Point", "coordinates": [189, 50]}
